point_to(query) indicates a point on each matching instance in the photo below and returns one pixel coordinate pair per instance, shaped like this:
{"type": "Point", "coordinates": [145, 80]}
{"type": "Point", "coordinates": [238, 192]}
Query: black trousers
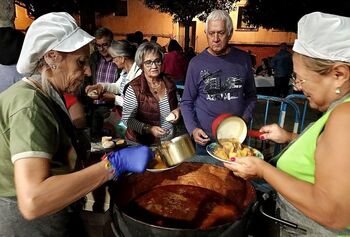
{"type": "Point", "coordinates": [281, 86]}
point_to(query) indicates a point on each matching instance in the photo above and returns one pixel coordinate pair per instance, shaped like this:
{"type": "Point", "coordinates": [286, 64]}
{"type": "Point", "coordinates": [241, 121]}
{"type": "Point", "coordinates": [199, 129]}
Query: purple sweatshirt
{"type": "Point", "coordinates": [216, 85]}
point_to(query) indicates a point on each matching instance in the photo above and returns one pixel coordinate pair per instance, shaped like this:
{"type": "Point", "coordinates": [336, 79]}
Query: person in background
{"type": "Point", "coordinates": [39, 185]}
{"type": "Point", "coordinates": [123, 54]}
{"type": "Point", "coordinates": [282, 65]}
{"type": "Point", "coordinates": [190, 53]}
{"type": "Point", "coordinates": [264, 69]}
{"type": "Point", "coordinates": [218, 80]}
{"type": "Point", "coordinates": [174, 63]}
{"type": "Point", "coordinates": [138, 37]}
{"type": "Point", "coordinates": [312, 176]}
{"type": "Point", "coordinates": [252, 58]}
{"type": "Point", "coordinates": [11, 41]}
{"type": "Point", "coordinates": [103, 71]}
{"type": "Point", "coordinates": [150, 99]}
{"type": "Point", "coordinates": [131, 38]}
{"type": "Point", "coordinates": [154, 39]}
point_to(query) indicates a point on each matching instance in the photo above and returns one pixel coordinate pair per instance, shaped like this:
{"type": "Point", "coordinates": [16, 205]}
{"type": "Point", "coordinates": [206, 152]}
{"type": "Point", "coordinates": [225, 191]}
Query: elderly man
{"type": "Point", "coordinates": [219, 80]}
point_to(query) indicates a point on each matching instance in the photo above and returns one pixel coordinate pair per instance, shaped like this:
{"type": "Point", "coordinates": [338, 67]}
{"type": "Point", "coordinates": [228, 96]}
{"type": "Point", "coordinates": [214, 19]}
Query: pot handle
{"type": "Point", "coordinates": [280, 221]}
{"type": "Point", "coordinates": [254, 133]}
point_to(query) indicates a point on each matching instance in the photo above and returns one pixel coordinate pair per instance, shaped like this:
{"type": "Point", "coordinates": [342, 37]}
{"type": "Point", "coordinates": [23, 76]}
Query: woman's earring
{"type": "Point", "coordinates": [337, 91]}
{"type": "Point", "coordinates": [53, 66]}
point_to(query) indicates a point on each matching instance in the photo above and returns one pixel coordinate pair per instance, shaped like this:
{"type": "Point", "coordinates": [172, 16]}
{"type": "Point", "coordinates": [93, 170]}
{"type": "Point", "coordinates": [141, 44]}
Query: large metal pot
{"type": "Point", "coordinates": [210, 177]}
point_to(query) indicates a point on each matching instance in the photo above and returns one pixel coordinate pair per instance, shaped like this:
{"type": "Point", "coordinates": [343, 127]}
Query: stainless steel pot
{"type": "Point", "coordinates": [177, 150]}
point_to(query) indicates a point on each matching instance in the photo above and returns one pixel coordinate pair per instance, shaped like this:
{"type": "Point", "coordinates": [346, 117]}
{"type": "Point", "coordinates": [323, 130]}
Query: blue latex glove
{"type": "Point", "coordinates": [130, 159]}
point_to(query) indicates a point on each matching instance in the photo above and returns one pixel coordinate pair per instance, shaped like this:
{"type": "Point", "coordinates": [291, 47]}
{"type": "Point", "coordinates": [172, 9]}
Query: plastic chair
{"type": "Point", "coordinates": [270, 110]}
{"type": "Point", "coordinates": [302, 102]}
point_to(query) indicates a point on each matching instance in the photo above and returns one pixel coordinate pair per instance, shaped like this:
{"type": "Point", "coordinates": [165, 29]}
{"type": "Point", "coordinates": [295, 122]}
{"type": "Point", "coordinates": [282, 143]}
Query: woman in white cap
{"type": "Point", "coordinates": [38, 148]}
{"type": "Point", "coordinates": [312, 177]}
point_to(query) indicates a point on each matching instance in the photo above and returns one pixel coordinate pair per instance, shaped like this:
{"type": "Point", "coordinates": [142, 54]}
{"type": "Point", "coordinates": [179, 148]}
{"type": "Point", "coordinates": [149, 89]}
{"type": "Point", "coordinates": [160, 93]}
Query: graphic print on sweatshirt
{"type": "Point", "coordinates": [218, 88]}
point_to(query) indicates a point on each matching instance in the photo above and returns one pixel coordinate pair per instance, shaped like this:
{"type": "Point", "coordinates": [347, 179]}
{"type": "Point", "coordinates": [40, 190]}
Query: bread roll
{"type": "Point", "coordinates": [93, 94]}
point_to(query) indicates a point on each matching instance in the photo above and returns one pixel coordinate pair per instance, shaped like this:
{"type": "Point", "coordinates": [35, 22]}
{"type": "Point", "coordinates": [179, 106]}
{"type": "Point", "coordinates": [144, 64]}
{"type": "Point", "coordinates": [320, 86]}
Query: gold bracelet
{"type": "Point", "coordinates": [109, 167]}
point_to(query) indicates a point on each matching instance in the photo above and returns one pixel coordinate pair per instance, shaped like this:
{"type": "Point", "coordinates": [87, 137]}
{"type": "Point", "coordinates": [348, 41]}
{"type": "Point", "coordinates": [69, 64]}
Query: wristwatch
{"type": "Point", "coordinates": [146, 129]}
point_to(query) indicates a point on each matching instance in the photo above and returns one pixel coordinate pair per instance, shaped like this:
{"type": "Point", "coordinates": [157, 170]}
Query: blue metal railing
{"type": "Point", "coordinates": [285, 105]}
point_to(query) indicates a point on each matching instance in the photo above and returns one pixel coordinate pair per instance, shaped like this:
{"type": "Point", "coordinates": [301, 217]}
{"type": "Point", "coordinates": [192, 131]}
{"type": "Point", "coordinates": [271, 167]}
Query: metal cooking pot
{"type": "Point", "coordinates": [177, 150]}
{"type": "Point", "coordinates": [214, 178]}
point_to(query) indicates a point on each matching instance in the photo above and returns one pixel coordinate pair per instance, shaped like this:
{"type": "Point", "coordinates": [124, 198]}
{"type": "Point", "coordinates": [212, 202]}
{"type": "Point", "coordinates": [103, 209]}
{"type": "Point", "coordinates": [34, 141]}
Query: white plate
{"type": "Point", "coordinates": [161, 170]}
{"type": "Point", "coordinates": [211, 148]}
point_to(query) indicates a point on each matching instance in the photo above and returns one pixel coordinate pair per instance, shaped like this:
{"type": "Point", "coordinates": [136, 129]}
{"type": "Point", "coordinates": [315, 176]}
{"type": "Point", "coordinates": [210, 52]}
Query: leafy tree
{"type": "Point", "coordinates": [285, 14]}
{"type": "Point", "coordinates": [185, 10]}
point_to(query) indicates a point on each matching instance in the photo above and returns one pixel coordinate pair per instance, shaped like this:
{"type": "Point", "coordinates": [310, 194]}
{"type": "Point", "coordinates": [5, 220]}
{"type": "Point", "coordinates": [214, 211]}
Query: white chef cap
{"type": "Point", "coordinates": [324, 36]}
{"type": "Point", "coordinates": [53, 31]}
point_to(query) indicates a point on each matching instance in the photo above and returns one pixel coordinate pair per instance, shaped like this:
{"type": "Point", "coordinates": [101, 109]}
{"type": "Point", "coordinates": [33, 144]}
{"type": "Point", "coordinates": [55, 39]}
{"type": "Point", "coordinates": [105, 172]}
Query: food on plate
{"type": "Point", "coordinates": [157, 162]}
{"type": "Point", "coordinates": [107, 142]}
{"type": "Point", "coordinates": [221, 153]}
{"type": "Point", "coordinates": [231, 147]}
{"type": "Point", "coordinates": [93, 94]}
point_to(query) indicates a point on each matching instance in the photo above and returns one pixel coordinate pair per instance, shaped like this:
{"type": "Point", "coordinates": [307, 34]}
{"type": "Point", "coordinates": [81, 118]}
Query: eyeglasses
{"type": "Point", "coordinates": [104, 45]}
{"type": "Point", "coordinates": [157, 62]}
{"type": "Point", "coordinates": [296, 82]}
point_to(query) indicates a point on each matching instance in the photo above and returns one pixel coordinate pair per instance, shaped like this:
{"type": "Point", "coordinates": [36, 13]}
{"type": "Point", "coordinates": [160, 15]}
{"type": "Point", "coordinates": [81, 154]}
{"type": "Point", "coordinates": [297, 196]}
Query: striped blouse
{"type": "Point", "coordinates": [130, 109]}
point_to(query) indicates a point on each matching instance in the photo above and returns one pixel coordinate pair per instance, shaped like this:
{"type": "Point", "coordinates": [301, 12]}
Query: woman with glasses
{"type": "Point", "coordinates": [312, 175]}
{"type": "Point", "coordinates": [123, 54]}
{"type": "Point", "coordinates": [150, 103]}
{"type": "Point", "coordinates": [40, 153]}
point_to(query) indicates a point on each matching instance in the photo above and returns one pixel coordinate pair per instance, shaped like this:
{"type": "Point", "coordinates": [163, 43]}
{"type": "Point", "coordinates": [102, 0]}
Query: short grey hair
{"type": "Point", "coordinates": [122, 48]}
{"type": "Point", "coordinates": [223, 16]}
{"type": "Point", "coordinates": [147, 48]}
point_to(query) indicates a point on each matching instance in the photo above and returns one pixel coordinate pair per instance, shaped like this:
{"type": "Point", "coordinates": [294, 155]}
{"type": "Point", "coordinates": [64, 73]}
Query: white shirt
{"type": "Point", "coordinates": [118, 86]}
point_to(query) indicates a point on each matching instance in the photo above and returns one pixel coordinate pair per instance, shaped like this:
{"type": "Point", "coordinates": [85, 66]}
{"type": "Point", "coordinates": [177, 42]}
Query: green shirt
{"type": "Point", "coordinates": [299, 159]}
{"type": "Point", "coordinates": [29, 127]}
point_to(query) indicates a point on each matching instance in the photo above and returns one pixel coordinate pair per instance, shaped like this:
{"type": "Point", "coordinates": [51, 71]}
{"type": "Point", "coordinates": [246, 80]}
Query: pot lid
{"type": "Point", "coordinates": [232, 127]}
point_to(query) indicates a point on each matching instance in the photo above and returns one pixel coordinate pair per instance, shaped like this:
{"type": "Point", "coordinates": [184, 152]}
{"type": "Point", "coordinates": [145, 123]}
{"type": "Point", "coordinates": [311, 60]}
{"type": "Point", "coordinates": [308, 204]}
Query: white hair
{"type": "Point", "coordinates": [223, 16]}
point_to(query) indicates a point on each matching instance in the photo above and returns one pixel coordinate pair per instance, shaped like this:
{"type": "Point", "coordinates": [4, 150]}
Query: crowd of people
{"type": "Point", "coordinates": [65, 87]}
